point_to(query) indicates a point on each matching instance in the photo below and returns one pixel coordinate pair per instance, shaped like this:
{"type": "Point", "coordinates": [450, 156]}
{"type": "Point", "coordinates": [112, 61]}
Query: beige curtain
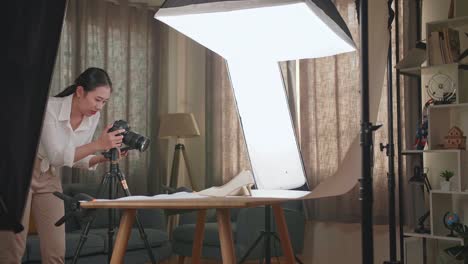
{"type": "Point", "coordinates": [330, 117]}
{"type": "Point", "coordinates": [122, 39]}
{"type": "Point", "coordinates": [226, 148]}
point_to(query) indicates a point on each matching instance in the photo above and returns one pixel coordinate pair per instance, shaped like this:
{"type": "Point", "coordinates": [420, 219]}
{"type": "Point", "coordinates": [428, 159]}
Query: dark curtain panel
{"type": "Point", "coordinates": [30, 39]}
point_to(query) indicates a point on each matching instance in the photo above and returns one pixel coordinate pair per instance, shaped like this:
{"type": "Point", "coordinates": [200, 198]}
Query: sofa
{"type": "Point", "coordinates": [95, 249]}
{"type": "Point", "coordinates": [247, 225]}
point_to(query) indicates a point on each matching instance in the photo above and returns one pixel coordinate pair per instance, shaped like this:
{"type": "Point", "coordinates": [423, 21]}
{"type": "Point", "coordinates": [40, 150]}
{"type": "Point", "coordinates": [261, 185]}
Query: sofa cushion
{"type": "Point", "coordinates": [185, 233]}
{"type": "Point", "coordinates": [156, 238]}
{"type": "Point", "coordinates": [94, 244]}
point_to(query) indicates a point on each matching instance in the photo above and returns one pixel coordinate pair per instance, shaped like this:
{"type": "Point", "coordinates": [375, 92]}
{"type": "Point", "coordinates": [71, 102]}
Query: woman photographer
{"type": "Point", "coordinates": [70, 121]}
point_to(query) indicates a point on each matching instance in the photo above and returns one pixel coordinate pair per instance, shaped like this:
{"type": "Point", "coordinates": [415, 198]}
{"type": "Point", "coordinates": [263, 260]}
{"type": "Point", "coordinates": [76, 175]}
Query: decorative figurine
{"type": "Point", "coordinates": [421, 131]}
{"type": "Point", "coordinates": [455, 139]}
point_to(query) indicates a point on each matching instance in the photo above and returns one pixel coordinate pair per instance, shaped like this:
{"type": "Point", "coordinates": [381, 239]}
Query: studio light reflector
{"type": "Point", "coordinates": [278, 30]}
{"type": "Point", "coordinates": [253, 36]}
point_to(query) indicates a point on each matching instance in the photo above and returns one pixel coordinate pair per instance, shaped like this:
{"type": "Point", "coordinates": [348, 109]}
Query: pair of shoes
{"type": "Point", "coordinates": [240, 185]}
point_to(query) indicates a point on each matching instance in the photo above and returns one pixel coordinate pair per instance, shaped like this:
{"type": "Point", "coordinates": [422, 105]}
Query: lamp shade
{"type": "Point", "coordinates": [179, 125]}
{"type": "Point", "coordinates": [277, 30]}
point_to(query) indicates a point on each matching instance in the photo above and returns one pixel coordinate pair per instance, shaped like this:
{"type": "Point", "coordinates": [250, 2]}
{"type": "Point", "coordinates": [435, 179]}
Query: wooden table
{"type": "Point", "coordinates": [222, 206]}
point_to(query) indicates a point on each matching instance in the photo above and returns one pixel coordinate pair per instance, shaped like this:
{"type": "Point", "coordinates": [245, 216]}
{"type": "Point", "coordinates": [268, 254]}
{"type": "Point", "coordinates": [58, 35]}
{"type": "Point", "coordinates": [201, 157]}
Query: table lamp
{"type": "Point", "coordinates": [178, 125]}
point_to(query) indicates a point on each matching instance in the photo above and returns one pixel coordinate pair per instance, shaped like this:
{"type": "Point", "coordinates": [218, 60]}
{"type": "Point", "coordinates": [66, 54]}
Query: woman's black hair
{"type": "Point", "coordinates": [89, 80]}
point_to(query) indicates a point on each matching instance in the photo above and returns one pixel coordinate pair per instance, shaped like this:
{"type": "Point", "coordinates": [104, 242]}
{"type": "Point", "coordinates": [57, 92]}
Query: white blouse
{"type": "Point", "coordinates": [58, 140]}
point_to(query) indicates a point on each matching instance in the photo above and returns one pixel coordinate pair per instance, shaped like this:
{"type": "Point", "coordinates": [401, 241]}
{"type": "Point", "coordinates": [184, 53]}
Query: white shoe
{"type": "Point", "coordinates": [240, 185]}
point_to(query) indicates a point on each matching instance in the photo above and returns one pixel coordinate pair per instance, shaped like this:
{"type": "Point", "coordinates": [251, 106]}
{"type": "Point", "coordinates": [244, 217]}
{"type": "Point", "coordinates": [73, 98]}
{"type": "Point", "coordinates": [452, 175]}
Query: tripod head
{"type": "Point", "coordinates": [112, 154]}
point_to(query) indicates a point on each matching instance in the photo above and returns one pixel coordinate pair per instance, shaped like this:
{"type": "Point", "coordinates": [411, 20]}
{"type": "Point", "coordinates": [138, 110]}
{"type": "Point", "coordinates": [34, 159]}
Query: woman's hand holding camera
{"type": "Point", "coordinates": [108, 140]}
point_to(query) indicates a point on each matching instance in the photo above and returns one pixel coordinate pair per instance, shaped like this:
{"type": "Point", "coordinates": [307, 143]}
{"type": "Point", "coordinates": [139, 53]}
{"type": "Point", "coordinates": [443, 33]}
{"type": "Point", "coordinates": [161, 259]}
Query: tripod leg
{"type": "Point", "coordinates": [295, 256]}
{"type": "Point", "coordinates": [145, 240]}
{"type": "Point", "coordinates": [104, 180]}
{"type": "Point", "coordinates": [111, 219]}
{"type": "Point", "coordinates": [83, 238]}
{"type": "Point", "coordinates": [123, 184]}
{"type": "Point", "coordinates": [252, 247]}
{"type": "Point", "coordinates": [84, 233]}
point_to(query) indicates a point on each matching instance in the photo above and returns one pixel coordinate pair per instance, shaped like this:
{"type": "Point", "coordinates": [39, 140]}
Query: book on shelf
{"type": "Point", "coordinates": [444, 46]}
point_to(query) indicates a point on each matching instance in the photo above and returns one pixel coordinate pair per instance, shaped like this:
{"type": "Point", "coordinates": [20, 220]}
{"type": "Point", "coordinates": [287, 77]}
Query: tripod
{"type": "Point", "coordinates": [109, 179]}
{"type": "Point", "coordinates": [266, 236]}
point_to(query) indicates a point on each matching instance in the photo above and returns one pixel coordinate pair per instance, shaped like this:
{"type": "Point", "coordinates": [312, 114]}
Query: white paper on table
{"type": "Point", "coordinates": [179, 195]}
{"type": "Point", "coordinates": [287, 194]}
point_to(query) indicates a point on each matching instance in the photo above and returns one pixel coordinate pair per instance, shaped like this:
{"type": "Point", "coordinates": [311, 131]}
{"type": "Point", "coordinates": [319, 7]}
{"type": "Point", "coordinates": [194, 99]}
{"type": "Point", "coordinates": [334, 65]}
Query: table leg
{"type": "Point", "coordinates": [283, 233]}
{"type": "Point", "coordinates": [225, 236]}
{"type": "Point", "coordinates": [198, 238]}
{"type": "Point", "coordinates": [125, 228]}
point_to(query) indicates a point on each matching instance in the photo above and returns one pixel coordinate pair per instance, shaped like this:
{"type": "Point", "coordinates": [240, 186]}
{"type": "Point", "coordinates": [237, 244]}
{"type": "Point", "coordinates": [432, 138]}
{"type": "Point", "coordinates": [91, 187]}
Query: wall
{"type": "Point", "coordinates": [330, 243]}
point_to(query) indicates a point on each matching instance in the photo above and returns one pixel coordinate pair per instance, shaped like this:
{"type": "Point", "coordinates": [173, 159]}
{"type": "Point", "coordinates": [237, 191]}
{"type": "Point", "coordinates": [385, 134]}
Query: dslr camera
{"type": "Point", "coordinates": [132, 139]}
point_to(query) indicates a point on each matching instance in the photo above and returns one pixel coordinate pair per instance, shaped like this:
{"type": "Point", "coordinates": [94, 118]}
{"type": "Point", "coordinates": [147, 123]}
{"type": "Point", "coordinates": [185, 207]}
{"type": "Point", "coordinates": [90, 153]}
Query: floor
{"type": "Point", "coordinates": [175, 260]}
{"type": "Point", "coordinates": [331, 243]}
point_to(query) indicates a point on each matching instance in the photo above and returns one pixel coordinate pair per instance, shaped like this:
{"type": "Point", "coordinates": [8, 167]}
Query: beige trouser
{"type": "Point", "coordinates": [47, 209]}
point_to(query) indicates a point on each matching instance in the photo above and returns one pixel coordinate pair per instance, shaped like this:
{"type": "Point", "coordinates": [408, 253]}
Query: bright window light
{"type": "Point", "coordinates": [253, 36]}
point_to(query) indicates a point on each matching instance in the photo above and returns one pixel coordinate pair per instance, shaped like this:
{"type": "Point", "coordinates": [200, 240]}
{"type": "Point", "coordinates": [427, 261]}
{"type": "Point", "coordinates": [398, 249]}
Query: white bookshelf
{"type": "Point", "coordinates": [436, 158]}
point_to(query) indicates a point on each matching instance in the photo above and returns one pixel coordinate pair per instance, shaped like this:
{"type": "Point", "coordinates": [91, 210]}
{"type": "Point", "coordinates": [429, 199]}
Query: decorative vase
{"type": "Point", "coordinates": [445, 186]}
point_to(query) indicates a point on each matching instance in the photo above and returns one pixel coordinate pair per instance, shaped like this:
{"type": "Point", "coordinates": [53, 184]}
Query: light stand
{"type": "Point", "coordinates": [109, 179]}
{"type": "Point", "coordinates": [266, 236]}
{"type": "Point", "coordinates": [367, 130]}
{"type": "Point", "coordinates": [390, 147]}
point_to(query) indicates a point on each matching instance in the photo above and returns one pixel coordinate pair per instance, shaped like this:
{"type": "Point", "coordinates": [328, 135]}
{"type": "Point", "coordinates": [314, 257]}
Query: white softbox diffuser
{"type": "Point", "coordinates": [253, 36]}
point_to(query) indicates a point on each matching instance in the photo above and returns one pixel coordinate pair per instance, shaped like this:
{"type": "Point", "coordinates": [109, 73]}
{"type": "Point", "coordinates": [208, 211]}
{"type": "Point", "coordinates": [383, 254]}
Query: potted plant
{"type": "Point", "coordinates": [445, 184]}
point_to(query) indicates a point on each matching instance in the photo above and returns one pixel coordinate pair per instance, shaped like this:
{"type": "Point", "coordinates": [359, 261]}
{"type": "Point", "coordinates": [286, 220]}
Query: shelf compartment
{"type": "Point", "coordinates": [455, 23]}
{"type": "Point", "coordinates": [441, 203]}
{"type": "Point", "coordinates": [437, 161]}
{"type": "Point", "coordinates": [442, 118]}
{"type": "Point", "coordinates": [453, 71]}
{"type": "Point", "coordinates": [414, 249]}
{"type": "Point", "coordinates": [418, 152]}
{"type": "Point", "coordinates": [411, 71]}
{"type": "Point", "coordinates": [429, 236]}
{"type": "Point", "coordinates": [459, 23]}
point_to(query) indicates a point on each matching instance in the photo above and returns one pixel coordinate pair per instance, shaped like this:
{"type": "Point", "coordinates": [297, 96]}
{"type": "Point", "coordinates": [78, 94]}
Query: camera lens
{"type": "Point", "coordinates": [136, 141]}
{"type": "Point", "coordinates": [143, 143]}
